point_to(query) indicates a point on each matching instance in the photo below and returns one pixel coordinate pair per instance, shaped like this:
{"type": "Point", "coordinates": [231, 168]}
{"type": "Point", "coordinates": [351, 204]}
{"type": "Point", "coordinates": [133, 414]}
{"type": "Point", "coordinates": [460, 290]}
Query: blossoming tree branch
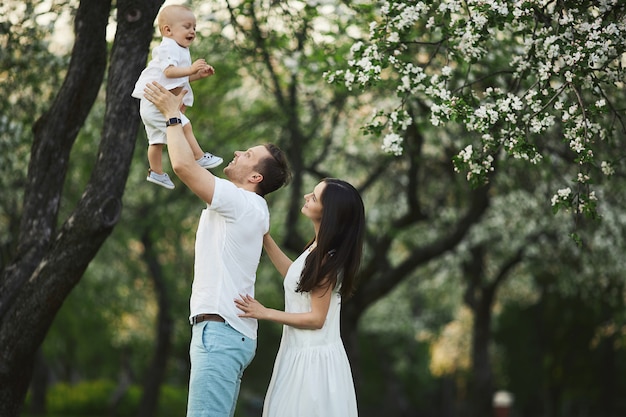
{"type": "Point", "coordinates": [511, 74]}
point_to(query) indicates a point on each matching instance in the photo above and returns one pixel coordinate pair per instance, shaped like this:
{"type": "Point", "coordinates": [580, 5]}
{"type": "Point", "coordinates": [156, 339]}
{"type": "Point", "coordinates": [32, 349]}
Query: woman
{"type": "Point", "coordinates": [312, 376]}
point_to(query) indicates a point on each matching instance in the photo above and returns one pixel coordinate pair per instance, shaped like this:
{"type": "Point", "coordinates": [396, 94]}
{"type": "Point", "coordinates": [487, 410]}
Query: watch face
{"type": "Point", "coordinates": [173, 121]}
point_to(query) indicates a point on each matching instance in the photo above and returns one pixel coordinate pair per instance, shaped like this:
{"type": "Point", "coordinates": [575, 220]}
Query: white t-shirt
{"type": "Point", "coordinates": [167, 53]}
{"type": "Point", "coordinates": [229, 241]}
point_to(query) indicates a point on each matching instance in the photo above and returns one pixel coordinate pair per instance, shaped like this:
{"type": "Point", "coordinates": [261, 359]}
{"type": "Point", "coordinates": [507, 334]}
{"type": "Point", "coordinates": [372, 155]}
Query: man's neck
{"type": "Point", "coordinates": [247, 186]}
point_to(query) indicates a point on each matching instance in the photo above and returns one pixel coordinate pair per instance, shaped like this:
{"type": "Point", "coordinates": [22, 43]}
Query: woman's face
{"type": "Point", "coordinates": [312, 203]}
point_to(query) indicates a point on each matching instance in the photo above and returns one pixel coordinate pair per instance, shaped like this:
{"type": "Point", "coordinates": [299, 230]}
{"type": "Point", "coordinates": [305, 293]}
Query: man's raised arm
{"type": "Point", "coordinates": [199, 180]}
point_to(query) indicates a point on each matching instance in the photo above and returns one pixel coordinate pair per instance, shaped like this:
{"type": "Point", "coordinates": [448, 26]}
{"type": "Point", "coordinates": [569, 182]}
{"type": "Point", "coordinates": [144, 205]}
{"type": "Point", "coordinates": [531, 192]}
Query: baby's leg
{"type": "Point", "coordinates": [193, 142]}
{"type": "Point", "coordinates": [204, 159]}
{"type": "Point", "coordinates": [155, 157]}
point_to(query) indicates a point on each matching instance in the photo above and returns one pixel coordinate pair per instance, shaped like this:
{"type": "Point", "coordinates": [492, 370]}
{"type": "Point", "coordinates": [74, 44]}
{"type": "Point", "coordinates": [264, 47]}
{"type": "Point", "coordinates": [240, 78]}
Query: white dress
{"type": "Point", "coordinates": [312, 376]}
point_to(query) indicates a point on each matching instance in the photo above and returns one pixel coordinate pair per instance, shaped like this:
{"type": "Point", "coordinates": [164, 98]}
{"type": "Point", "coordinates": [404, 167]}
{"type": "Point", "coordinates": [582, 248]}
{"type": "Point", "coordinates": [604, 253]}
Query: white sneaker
{"type": "Point", "coordinates": [208, 161]}
{"type": "Point", "coordinates": [161, 179]}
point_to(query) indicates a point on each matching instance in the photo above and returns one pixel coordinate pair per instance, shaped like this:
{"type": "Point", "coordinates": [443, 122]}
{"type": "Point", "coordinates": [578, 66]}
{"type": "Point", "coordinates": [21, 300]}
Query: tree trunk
{"type": "Point", "coordinates": [48, 264]}
{"type": "Point", "coordinates": [349, 321]}
{"type": "Point", "coordinates": [481, 383]}
{"type": "Point", "coordinates": [608, 368]}
{"type": "Point", "coordinates": [39, 386]}
{"type": "Point", "coordinates": [479, 296]}
{"type": "Point", "coordinates": [156, 371]}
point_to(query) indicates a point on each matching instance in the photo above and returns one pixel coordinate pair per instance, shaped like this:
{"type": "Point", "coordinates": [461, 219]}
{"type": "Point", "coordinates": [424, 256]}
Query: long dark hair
{"type": "Point", "coordinates": [339, 241]}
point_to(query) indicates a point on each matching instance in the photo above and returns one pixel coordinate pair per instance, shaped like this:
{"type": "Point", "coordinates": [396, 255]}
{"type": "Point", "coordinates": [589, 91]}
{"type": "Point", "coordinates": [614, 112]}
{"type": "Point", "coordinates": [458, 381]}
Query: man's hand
{"type": "Point", "coordinates": [167, 103]}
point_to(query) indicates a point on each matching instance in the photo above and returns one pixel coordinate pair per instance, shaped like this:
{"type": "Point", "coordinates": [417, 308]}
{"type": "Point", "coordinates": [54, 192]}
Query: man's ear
{"type": "Point", "coordinates": [255, 178]}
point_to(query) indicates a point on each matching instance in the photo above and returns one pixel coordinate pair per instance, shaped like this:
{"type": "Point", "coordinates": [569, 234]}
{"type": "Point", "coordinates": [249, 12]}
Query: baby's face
{"type": "Point", "coordinates": [183, 29]}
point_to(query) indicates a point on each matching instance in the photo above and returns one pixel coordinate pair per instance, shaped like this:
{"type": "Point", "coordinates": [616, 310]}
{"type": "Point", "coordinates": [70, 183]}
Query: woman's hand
{"type": "Point", "coordinates": [251, 307]}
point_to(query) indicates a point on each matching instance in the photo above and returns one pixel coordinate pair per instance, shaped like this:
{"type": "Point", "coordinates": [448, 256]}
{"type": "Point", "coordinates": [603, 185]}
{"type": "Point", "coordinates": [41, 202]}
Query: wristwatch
{"type": "Point", "coordinates": [173, 121]}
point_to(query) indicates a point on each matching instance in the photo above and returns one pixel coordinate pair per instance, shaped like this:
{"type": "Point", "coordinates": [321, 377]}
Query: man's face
{"type": "Point", "coordinates": [242, 169]}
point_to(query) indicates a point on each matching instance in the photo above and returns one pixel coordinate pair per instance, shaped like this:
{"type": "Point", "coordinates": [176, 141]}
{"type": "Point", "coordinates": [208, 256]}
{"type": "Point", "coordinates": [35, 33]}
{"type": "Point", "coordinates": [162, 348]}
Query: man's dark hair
{"type": "Point", "coordinates": [275, 170]}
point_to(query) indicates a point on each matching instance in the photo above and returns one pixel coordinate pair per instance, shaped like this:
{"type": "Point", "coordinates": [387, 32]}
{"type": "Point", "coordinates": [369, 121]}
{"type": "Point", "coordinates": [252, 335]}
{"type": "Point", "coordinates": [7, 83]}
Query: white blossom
{"type": "Point", "coordinates": [392, 143]}
{"type": "Point", "coordinates": [559, 68]}
{"type": "Point", "coordinates": [607, 168]}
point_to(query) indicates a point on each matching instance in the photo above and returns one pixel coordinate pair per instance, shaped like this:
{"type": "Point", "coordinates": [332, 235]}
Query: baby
{"type": "Point", "coordinates": [171, 67]}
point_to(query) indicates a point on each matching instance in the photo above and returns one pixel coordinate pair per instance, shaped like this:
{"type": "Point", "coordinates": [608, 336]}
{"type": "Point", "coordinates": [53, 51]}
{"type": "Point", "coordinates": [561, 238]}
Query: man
{"type": "Point", "coordinates": [229, 241]}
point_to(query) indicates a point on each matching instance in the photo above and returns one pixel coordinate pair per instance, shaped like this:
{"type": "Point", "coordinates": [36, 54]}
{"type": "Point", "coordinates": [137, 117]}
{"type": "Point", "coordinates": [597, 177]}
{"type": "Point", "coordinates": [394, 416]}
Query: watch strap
{"type": "Point", "coordinates": [173, 121]}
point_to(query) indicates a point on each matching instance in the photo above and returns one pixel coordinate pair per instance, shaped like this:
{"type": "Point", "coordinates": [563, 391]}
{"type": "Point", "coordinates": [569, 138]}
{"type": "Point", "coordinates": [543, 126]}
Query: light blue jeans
{"type": "Point", "coordinates": [219, 354]}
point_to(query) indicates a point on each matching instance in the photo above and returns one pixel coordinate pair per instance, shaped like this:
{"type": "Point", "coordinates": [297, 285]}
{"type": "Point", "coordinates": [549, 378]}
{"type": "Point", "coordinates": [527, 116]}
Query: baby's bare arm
{"type": "Point", "coordinates": [199, 66]}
